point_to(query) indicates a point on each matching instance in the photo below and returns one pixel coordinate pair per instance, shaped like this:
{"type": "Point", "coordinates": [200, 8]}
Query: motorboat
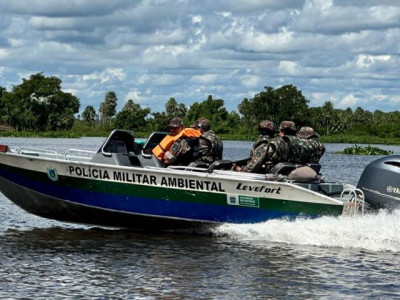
{"type": "Point", "coordinates": [124, 185]}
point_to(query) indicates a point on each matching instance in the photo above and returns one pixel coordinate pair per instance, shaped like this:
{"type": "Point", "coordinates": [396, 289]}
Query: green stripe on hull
{"type": "Point", "coordinates": [198, 196]}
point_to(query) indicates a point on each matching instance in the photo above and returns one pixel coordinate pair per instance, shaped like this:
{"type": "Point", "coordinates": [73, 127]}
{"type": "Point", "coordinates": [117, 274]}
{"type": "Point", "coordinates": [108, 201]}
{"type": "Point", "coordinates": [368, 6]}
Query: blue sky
{"type": "Point", "coordinates": [344, 51]}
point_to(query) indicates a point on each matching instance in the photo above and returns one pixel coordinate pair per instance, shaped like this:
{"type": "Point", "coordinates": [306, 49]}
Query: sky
{"type": "Point", "coordinates": [343, 51]}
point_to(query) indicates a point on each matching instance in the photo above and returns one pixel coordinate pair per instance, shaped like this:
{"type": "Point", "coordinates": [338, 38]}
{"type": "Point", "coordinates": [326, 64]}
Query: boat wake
{"type": "Point", "coordinates": [373, 232]}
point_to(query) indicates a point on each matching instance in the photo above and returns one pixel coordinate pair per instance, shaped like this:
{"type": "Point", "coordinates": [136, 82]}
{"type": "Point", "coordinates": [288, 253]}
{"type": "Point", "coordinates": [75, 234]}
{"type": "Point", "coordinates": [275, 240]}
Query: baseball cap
{"type": "Point", "coordinates": [290, 125]}
{"type": "Point", "coordinates": [202, 123]}
{"type": "Point", "coordinates": [267, 124]}
{"type": "Point", "coordinates": [307, 132]}
{"type": "Point", "coordinates": [175, 122]}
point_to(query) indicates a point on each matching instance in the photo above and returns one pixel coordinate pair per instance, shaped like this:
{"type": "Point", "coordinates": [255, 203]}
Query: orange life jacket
{"type": "Point", "coordinates": [167, 142]}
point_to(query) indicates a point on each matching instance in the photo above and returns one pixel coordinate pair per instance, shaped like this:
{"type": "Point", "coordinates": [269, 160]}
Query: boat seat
{"type": "Point", "coordinates": [119, 159]}
{"type": "Point", "coordinates": [119, 141]}
{"type": "Point", "coordinates": [146, 156]}
{"type": "Point", "coordinates": [154, 139]}
{"type": "Point", "coordinates": [149, 160]}
{"type": "Point", "coordinates": [283, 168]}
{"type": "Point", "coordinates": [197, 164]}
{"type": "Point", "coordinates": [137, 147]}
{"type": "Point", "coordinates": [330, 189]}
{"type": "Point", "coordinates": [118, 147]}
{"type": "Point", "coordinates": [316, 167]}
{"type": "Point", "coordinates": [220, 165]}
{"type": "Point", "coordinates": [309, 186]}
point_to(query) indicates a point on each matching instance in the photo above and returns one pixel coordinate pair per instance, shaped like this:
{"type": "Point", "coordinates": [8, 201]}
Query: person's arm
{"type": "Point", "coordinates": [169, 158]}
{"type": "Point", "coordinates": [177, 149]}
{"type": "Point", "coordinates": [256, 161]}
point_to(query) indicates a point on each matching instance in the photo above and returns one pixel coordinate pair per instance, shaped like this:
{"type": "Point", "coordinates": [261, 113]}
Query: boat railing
{"type": "Point", "coordinates": [219, 173]}
{"type": "Point", "coordinates": [353, 201]}
{"type": "Point", "coordinates": [241, 175]}
{"type": "Point", "coordinates": [70, 154]}
{"type": "Point", "coordinates": [186, 168]}
{"type": "Point", "coordinates": [38, 152]}
{"type": "Point", "coordinates": [79, 154]}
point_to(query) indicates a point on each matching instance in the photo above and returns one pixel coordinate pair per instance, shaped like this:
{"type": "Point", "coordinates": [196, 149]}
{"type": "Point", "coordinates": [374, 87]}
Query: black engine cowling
{"type": "Point", "coordinates": [380, 182]}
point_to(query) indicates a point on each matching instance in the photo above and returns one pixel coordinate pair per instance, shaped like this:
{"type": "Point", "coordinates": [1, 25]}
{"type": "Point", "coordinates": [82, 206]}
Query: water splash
{"type": "Point", "coordinates": [373, 232]}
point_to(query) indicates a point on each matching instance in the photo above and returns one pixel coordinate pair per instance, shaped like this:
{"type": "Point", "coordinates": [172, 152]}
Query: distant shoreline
{"type": "Point", "coordinates": [336, 139]}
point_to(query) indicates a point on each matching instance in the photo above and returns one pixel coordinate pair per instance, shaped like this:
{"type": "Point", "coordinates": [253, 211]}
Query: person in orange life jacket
{"type": "Point", "coordinates": [185, 147]}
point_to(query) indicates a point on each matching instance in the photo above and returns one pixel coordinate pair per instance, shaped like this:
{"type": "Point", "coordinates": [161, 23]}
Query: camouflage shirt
{"type": "Point", "coordinates": [318, 150]}
{"type": "Point", "coordinates": [303, 151]}
{"type": "Point", "coordinates": [283, 149]}
{"type": "Point", "coordinates": [262, 139]}
{"type": "Point", "coordinates": [210, 147]}
{"type": "Point", "coordinates": [266, 155]}
{"type": "Point", "coordinates": [183, 151]}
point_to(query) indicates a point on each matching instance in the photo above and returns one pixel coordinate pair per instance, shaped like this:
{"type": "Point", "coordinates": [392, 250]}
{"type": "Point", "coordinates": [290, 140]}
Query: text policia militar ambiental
{"type": "Point", "coordinates": [167, 181]}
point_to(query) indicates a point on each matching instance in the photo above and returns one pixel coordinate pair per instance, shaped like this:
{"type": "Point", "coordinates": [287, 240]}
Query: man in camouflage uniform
{"type": "Point", "coordinates": [266, 131]}
{"type": "Point", "coordinates": [310, 140]}
{"type": "Point", "coordinates": [303, 146]}
{"type": "Point", "coordinates": [184, 150]}
{"type": "Point", "coordinates": [210, 145]}
{"type": "Point", "coordinates": [295, 152]}
{"type": "Point", "coordinates": [267, 151]}
{"type": "Point", "coordinates": [287, 128]}
{"type": "Point", "coordinates": [287, 147]}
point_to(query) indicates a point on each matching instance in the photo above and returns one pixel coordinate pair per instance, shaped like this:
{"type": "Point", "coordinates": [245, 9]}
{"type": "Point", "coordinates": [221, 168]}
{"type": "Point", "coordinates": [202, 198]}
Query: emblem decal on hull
{"type": "Point", "coordinates": [52, 174]}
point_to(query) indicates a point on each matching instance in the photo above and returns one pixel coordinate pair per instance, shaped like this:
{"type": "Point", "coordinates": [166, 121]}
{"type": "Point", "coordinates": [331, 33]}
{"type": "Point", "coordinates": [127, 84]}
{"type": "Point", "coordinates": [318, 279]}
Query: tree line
{"type": "Point", "coordinates": [39, 104]}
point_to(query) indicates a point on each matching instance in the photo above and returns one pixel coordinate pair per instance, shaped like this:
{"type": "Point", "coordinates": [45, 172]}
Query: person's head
{"type": "Point", "coordinates": [201, 124]}
{"type": "Point", "coordinates": [307, 132]}
{"type": "Point", "coordinates": [175, 126]}
{"type": "Point", "coordinates": [287, 128]}
{"type": "Point", "coordinates": [266, 127]}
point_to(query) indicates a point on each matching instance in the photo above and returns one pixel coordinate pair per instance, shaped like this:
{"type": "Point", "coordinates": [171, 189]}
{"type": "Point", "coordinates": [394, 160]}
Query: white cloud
{"type": "Point", "coordinates": [251, 81]}
{"type": "Point", "coordinates": [348, 101]}
{"type": "Point", "coordinates": [365, 61]}
{"type": "Point", "coordinates": [205, 79]}
{"type": "Point", "coordinates": [3, 53]}
{"type": "Point", "coordinates": [288, 68]}
{"type": "Point", "coordinates": [106, 75]}
{"type": "Point", "coordinates": [333, 50]}
{"type": "Point", "coordinates": [134, 95]}
{"type": "Point", "coordinates": [395, 101]}
{"type": "Point", "coordinates": [196, 19]}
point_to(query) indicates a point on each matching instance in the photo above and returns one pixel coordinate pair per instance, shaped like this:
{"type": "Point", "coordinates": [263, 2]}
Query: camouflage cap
{"type": "Point", "coordinates": [290, 125]}
{"type": "Point", "coordinates": [307, 132]}
{"type": "Point", "coordinates": [267, 124]}
{"type": "Point", "coordinates": [175, 122]}
{"type": "Point", "coordinates": [202, 123]}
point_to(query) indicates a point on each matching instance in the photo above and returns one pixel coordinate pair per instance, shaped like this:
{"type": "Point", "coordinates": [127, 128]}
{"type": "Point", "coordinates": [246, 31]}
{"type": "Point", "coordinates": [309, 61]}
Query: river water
{"type": "Point", "coordinates": [325, 258]}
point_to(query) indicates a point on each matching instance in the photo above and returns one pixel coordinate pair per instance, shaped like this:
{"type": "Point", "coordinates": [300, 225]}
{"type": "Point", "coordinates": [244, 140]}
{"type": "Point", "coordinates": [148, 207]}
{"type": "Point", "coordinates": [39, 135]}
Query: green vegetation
{"type": "Point", "coordinates": [365, 151]}
{"type": "Point", "coordinates": [360, 139]}
{"type": "Point", "coordinates": [38, 104]}
{"type": "Point", "coordinates": [38, 107]}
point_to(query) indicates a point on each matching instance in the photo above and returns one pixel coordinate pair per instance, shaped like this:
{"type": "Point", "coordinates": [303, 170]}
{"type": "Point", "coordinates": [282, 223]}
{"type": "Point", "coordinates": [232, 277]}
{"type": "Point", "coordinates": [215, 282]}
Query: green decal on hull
{"type": "Point", "coordinates": [241, 200]}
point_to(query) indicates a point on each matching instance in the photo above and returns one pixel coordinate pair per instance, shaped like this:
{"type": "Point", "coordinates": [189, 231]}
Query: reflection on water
{"type": "Point", "coordinates": [302, 259]}
{"type": "Point", "coordinates": [98, 263]}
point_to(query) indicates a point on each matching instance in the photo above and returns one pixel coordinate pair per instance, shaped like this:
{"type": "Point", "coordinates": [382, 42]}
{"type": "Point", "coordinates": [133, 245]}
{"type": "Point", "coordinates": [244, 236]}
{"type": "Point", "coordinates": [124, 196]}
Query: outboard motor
{"type": "Point", "coordinates": [380, 182]}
